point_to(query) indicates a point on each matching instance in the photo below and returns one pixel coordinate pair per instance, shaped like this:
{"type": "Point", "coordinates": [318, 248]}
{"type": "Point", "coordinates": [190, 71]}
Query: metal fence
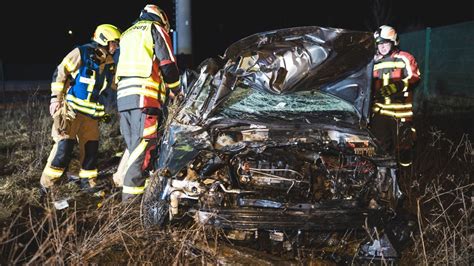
{"type": "Point", "coordinates": [446, 59]}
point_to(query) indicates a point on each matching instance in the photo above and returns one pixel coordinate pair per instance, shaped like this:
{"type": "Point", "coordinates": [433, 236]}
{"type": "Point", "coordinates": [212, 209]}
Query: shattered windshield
{"type": "Point", "coordinates": [302, 106]}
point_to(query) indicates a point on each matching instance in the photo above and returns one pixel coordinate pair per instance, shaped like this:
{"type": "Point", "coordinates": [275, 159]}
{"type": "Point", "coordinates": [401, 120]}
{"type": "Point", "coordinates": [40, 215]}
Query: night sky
{"type": "Point", "coordinates": [35, 37]}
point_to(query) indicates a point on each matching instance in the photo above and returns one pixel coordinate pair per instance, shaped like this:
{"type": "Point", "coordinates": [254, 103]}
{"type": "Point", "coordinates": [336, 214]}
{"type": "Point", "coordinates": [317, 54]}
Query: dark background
{"type": "Point", "coordinates": [34, 34]}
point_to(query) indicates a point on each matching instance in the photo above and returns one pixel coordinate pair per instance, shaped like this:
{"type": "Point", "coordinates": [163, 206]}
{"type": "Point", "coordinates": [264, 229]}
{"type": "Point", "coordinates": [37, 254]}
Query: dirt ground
{"type": "Point", "coordinates": [98, 229]}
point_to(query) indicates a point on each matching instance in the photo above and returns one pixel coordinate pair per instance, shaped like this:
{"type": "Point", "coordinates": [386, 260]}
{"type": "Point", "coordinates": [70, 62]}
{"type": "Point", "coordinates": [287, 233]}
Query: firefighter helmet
{"type": "Point", "coordinates": [106, 33]}
{"type": "Point", "coordinates": [162, 18]}
{"type": "Point", "coordinates": [386, 33]}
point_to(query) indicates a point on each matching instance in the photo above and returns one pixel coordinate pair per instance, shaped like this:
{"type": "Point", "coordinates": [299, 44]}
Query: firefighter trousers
{"type": "Point", "coordinates": [119, 175]}
{"type": "Point", "coordinates": [395, 137]}
{"type": "Point", "coordinates": [139, 130]}
{"type": "Point", "coordinates": [84, 130]}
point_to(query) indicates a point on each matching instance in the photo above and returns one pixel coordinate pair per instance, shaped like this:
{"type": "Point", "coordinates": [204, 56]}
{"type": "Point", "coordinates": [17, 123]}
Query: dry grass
{"type": "Point", "coordinates": [34, 232]}
{"type": "Point", "coordinates": [24, 146]}
{"type": "Point", "coordinates": [111, 233]}
{"type": "Point", "coordinates": [442, 192]}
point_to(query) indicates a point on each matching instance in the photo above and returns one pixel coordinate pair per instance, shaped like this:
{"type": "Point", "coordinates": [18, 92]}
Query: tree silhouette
{"type": "Point", "coordinates": [381, 14]}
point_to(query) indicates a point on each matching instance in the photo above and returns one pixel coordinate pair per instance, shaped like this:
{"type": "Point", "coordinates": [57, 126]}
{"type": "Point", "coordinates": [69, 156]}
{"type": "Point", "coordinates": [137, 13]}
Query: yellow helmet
{"type": "Point", "coordinates": [106, 33]}
{"type": "Point", "coordinates": [162, 18]}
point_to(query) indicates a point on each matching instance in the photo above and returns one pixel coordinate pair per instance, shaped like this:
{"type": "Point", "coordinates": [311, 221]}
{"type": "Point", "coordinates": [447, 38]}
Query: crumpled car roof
{"type": "Point", "coordinates": [337, 61]}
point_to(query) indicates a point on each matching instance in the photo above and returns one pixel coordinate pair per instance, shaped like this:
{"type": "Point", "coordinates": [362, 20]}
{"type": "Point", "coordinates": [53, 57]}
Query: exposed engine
{"type": "Point", "coordinates": [279, 173]}
{"type": "Point", "coordinates": [262, 184]}
{"type": "Point", "coordinates": [306, 172]}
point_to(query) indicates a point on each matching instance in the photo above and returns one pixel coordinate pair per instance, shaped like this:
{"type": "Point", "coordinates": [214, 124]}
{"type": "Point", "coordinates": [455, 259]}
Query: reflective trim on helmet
{"type": "Point", "coordinates": [386, 33]}
{"type": "Point", "coordinates": [154, 9]}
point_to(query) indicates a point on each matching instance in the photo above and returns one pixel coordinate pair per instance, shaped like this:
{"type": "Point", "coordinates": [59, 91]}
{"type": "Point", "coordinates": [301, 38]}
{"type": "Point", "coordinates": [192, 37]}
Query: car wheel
{"type": "Point", "coordinates": [154, 208]}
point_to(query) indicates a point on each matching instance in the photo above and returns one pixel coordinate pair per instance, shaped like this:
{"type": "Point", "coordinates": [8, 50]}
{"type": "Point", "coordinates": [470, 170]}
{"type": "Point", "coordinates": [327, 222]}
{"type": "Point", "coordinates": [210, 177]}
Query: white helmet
{"type": "Point", "coordinates": [386, 33]}
{"type": "Point", "coordinates": [162, 18]}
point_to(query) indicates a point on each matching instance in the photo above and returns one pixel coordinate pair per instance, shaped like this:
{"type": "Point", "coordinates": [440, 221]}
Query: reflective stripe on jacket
{"type": "Point", "coordinates": [136, 51]}
{"type": "Point", "coordinates": [146, 67]}
{"type": "Point", "coordinates": [401, 69]}
{"type": "Point", "coordinates": [90, 78]}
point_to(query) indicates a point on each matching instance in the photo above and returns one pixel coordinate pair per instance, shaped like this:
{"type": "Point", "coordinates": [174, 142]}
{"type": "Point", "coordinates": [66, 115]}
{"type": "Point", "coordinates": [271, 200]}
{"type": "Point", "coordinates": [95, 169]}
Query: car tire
{"type": "Point", "coordinates": [154, 208]}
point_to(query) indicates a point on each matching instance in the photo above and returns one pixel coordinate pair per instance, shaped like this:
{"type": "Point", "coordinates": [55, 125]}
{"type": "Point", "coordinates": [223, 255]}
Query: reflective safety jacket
{"type": "Point", "coordinates": [398, 68]}
{"type": "Point", "coordinates": [146, 68]}
{"type": "Point", "coordinates": [89, 79]}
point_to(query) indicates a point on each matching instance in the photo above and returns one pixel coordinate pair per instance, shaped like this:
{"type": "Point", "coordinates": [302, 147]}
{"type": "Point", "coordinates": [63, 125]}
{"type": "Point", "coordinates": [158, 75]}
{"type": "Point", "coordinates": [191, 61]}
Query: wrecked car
{"type": "Point", "coordinates": [271, 142]}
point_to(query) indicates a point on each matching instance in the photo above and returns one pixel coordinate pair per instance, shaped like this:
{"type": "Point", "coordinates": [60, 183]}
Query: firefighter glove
{"type": "Point", "coordinates": [63, 117]}
{"type": "Point", "coordinates": [54, 106]}
{"type": "Point", "coordinates": [388, 90]}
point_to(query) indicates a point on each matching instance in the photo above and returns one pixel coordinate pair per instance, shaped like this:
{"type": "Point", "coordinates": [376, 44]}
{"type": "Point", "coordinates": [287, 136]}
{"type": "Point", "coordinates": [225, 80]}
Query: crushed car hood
{"type": "Point", "coordinates": [336, 61]}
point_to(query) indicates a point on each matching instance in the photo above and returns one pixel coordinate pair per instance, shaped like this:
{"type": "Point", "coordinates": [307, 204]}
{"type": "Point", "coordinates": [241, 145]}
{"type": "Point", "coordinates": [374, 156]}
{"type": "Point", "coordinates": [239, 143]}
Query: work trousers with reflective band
{"type": "Point", "coordinates": [139, 130]}
{"type": "Point", "coordinates": [84, 130]}
{"type": "Point", "coordinates": [395, 137]}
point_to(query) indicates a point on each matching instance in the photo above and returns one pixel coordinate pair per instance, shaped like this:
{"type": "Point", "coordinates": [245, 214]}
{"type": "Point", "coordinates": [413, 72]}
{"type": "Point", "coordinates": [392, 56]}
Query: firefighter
{"type": "Point", "coordinates": [78, 83]}
{"type": "Point", "coordinates": [395, 75]}
{"type": "Point", "coordinates": [147, 74]}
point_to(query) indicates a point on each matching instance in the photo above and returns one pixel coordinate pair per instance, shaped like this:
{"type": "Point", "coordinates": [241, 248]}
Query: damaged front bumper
{"type": "Point", "coordinates": [308, 217]}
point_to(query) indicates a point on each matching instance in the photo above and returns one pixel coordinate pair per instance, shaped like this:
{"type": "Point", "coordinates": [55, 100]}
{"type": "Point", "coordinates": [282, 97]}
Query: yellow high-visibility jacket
{"type": "Point", "coordinates": [146, 67]}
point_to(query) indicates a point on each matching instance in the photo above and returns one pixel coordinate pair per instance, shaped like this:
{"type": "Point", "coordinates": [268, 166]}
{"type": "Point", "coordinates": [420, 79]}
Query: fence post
{"type": "Point", "coordinates": [2, 80]}
{"type": "Point", "coordinates": [426, 70]}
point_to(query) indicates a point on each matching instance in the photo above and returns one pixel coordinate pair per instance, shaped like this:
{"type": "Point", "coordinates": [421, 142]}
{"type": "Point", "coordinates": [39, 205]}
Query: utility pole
{"type": "Point", "coordinates": [182, 37]}
{"type": "Point", "coordinates": [2, 80]}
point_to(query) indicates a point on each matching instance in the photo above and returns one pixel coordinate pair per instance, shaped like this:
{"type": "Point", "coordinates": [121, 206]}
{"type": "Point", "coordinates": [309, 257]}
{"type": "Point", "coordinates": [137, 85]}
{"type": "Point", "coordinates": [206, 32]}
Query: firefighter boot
{"type": "Point", "coordinates": [406, 157]}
